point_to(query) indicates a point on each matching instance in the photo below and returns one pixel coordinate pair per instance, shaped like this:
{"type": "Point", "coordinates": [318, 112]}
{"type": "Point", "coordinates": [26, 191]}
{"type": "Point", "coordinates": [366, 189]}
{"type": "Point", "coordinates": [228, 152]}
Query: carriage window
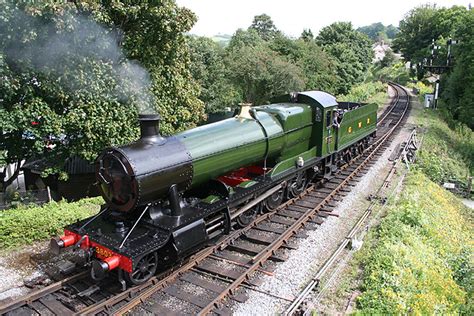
{"type": "Point", "coordinates": [328, 118]}
{"type": "Point", "coordinates": [317, 115]}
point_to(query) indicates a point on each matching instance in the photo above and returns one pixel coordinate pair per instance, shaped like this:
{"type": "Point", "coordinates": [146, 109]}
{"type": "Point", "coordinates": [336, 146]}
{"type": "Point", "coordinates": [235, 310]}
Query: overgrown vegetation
{"type": "Point", "coordinates": [446, 154]}
{"type": "Point", "coordinates": [27, 224]}
{"type": "Point", "coordinates": [367, 92]}
{"type": "Point", "coordinates": [418, 260]}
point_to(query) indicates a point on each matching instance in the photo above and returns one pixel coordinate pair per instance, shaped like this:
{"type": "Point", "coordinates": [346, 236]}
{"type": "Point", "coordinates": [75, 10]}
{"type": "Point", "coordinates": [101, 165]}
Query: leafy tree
{"type": "Point", "coordinates": [260, 73]}
{"type": "Point", "coordinates": [291, 49]}
{"type": "Point", "coordinates": [416, 33]}
{"type": "Point", "coordinates": [351, 49]}
{"type": "Point", "coordinates": [417, 30]}
{"type": "Point", "coordinates": [378, 31]}
{"type": "Point", "coordinates": [373, 30]}
{"type": "Point", "coordinates": [264, 26]}
{"type": "Point", "coordinates": [307, 35]}
{"type": "Point", "coordinates": [67, 88]}
{"type": "Point", "coordinates": [208, 69]}
{"type": "Point", "coordinates": [391, 31]}
{"type": "Point", "coordinates": [423, 24]}
{"type": "Point", "coordinates": [458, 85]}
{"type": "Point", "coordinates": [319, 68]}
{"type": "Point", "coordinates": [153, 34]}
{"type": "Point", "coordinates": [389, 59]}
{"type": "Point", "coordinates": [244, 38]}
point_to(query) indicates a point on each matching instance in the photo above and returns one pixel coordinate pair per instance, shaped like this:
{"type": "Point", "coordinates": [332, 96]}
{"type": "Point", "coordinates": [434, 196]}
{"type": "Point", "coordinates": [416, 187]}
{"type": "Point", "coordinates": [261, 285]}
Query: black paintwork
{"type": "Point", "coordinates": [143, 171]}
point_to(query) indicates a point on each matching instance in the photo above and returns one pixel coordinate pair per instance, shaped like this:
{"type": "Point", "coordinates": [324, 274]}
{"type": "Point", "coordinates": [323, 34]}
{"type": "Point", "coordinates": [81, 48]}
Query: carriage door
{"type": "Point", "coordinates": [331, 132]}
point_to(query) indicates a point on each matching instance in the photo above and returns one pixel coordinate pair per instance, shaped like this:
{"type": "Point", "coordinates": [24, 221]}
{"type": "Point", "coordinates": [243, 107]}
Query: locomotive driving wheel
{"type": "Point", "coordinates": [297, 185]}
{"type": "Point", "coordinates": [247, 217]}
{"type": "Point", "coordinates": [273, 201]}
{"type": "Point", "coordinates": [144, 269]}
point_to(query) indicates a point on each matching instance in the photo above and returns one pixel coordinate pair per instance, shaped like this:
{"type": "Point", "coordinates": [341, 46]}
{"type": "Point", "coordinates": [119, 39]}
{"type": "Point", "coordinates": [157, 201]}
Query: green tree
{"type": "Point", "coordinates": [260, 73]}
{"type": "Point", "coordinates": [351, 49]}
{"type": "Point", "coordinates": [318, 67]}
{"type": "Point", "coordinates": [66, 83]}
{"type": "Point", "coordinates": [208, 69]}
{"type": "Point", "coordinates": [391, 31]}
{"type": "Point", "coordinates": [389, 59]}
{"type": "Point", "coordinates": [423, 24]}
{"type": "Point", "coordinates": [307, 35]}
{"type": "Point", "coordinates": [244, 38]}
{"type": "Point", "coordinates": [373, 30]}
{"type": "Point", "coordinates": [416, 33]}
{"type": "Point", "coordinates": [378, 31]}
{"type": "Point", "coordinates": [458, 85]}
{"type": "Point", "coordinates": [264, 26]}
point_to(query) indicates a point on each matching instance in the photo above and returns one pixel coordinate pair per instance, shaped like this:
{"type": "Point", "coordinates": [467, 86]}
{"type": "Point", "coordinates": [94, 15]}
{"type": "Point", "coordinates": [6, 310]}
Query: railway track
{"type": "Point", "coordinates": [297, 306]}
{"type": "Point", "coordinates": [213, 278]}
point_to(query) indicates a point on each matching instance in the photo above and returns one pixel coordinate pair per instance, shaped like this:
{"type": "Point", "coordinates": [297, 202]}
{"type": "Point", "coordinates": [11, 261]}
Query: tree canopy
{"type": "Point", "coordinates": [351, 49]}
{"type": "Point", "coordinates": [264, 26]}
{"type": "Point", "coordinates": [75, 75]}
{"type": "Point", "coordinates": [426, 23]}
{"type": "Point", "coordinates": [378, 31]}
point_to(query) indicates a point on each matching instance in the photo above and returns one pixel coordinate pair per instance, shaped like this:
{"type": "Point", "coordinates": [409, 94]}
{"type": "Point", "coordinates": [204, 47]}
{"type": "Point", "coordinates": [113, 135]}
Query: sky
{"type": "Point", "coordinates": [292, 16]}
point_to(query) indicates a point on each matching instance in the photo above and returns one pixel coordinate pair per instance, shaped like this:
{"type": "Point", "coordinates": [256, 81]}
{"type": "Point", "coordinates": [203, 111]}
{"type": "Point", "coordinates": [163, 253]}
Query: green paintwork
{"type": "Point", "coordinates": [247, 184]}
{"type": "Point", "coordinates": [276, 132]}
{"type": "Point", "coordinates": [352, 119]}
{"type": "Point", "coordinates": [280, 132]}
{"type": "Point", "coordinates": [290, 164]}
{"type": "Point", "coordinates": [296, 120]}
{"type": "Point", "coordinates": [211, 199]}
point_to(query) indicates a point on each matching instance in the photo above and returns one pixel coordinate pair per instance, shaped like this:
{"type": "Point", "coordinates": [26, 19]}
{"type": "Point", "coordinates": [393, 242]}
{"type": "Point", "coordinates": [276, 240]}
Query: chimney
{"type": "Point", "coordinates": [150, 126]}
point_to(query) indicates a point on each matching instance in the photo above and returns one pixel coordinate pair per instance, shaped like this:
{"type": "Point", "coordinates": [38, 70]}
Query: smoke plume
{"type": "Point", "coordinates": [52, 46]}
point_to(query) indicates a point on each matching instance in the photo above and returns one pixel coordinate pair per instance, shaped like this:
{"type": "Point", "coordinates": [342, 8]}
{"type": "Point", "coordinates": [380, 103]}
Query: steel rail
{"type": "Point", "coordinates": [315, 281]}
{"type": "Point", "coordinates": [199, 257]}
{"type": "Point", "coordinates": [139, 294]}
{"type": "Point", "coordinates": [35, 295]}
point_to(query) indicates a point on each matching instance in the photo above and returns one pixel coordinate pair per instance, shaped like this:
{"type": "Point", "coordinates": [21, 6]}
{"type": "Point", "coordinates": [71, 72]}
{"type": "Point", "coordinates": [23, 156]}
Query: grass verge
{"type": "Point", "coordinates": [419, 259]}
{"type": "Point", "coordinates": [27, 224]}
{"type": "Point", "coordinates": [446, 154]}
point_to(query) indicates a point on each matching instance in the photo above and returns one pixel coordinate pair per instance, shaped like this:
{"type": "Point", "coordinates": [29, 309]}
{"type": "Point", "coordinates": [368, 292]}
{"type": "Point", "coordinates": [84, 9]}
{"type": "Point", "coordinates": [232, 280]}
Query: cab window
{"type": "Point", "coordinates": [328, 118]}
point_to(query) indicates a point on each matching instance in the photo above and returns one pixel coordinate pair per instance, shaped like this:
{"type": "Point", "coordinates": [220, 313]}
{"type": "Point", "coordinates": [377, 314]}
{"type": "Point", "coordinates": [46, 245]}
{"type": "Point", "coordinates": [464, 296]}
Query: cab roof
{"type": "Point", "coordinates": [318, 98]}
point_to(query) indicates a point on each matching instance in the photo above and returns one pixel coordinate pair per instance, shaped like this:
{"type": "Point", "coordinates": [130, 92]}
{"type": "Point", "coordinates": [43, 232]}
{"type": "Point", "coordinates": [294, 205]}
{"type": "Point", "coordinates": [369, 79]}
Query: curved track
{"type": "Point", "coordinates": [212, 278]}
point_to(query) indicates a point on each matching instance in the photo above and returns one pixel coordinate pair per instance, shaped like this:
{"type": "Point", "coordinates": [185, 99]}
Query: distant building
{"type": "Point", "coordinates": [380, 49]}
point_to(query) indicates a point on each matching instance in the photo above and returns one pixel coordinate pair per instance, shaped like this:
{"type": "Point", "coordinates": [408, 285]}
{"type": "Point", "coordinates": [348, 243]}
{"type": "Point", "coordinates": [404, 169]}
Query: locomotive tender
{"type": "Point", "coordinates": [166, 196]}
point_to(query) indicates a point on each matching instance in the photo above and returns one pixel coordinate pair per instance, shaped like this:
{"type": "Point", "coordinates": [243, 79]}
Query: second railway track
{"type": "Point", "coordinates": [211, 279]}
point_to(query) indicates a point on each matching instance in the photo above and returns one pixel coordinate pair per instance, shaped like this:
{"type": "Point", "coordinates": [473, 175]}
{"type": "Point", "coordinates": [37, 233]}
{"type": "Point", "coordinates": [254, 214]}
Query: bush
{"type": "Point", "coordinates": [366, 92]}
{"type": "Point", "coordinates": [24, 225]}
{"type": "Point", "coordinates": [418, 258]}
{"type": "Point", "coordinates": [397, 72]}
{"type": "Point", "coordinates": [446, 154]}
{"type": "Point", "coordinates": [422, 89]}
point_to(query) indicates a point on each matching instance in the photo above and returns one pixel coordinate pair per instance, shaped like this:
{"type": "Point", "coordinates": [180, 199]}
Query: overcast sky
{"type": "Point", "coordinates": [292, 16]}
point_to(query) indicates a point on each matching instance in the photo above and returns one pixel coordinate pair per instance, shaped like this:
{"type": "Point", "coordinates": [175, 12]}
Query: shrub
{"type": "Point", "coordinates": [418, 258]}
{"type": "Point", "coordinates": [446, 154]}
{"type": "Point", "coordinates": [26, 224]}
{"type": "Point", "coordinates": [366, 92]}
